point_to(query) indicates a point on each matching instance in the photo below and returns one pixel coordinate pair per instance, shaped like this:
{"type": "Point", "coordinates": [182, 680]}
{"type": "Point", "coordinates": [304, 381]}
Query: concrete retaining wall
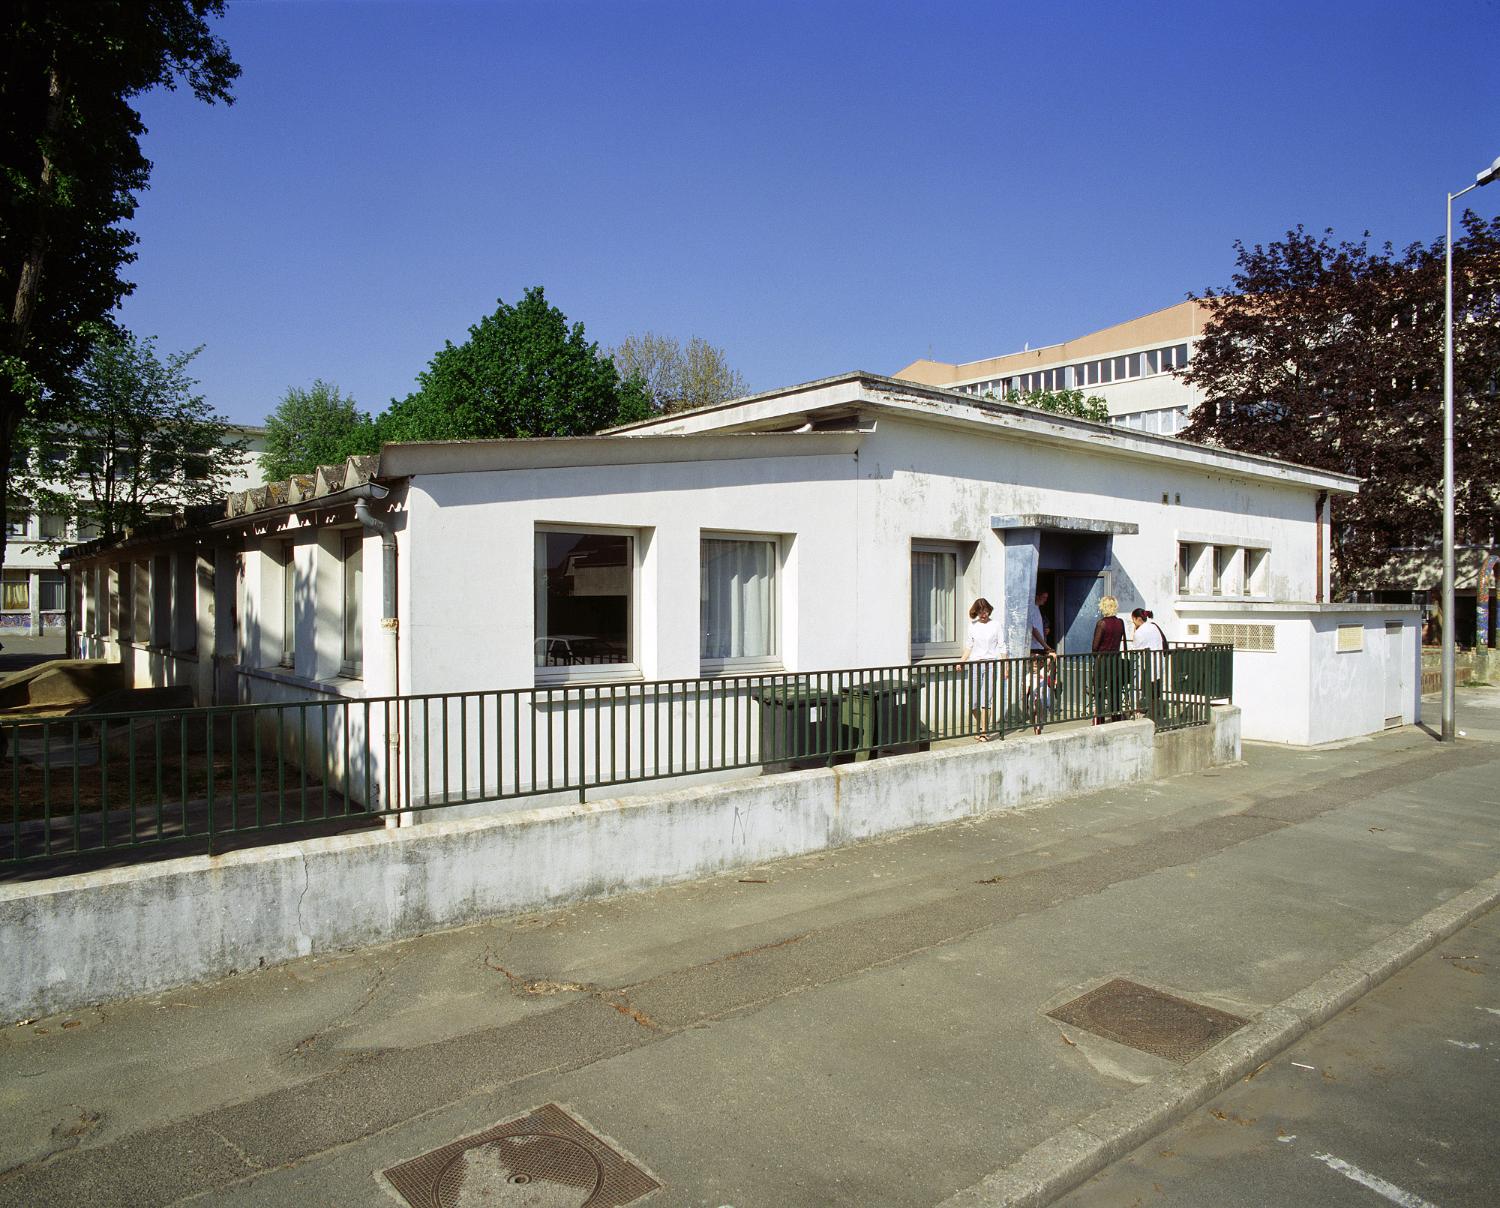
{"type": "Point", "coordinates": [94, 937]}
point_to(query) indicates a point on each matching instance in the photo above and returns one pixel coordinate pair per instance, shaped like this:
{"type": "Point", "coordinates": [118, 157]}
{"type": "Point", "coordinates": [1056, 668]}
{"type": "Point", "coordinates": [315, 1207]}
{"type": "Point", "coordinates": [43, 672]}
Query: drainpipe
{"type": "Point", "coordinates": [390, 626]}
{"type": "Point", "coordinates": [1318, 589]}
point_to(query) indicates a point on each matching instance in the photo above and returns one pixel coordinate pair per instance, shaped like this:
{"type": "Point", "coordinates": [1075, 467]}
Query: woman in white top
{"type": "Point", "coordinates": [986, 643]}
{"type": "Point", "coordinates": [1149, 639]}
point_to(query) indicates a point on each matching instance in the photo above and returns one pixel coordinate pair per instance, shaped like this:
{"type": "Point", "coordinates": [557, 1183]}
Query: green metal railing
{"type": "Point", "coordinates": [190, 778]}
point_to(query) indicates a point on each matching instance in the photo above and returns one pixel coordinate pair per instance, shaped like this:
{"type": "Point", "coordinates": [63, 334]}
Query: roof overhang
{"type": "Point", "coordinates": [836, 399]}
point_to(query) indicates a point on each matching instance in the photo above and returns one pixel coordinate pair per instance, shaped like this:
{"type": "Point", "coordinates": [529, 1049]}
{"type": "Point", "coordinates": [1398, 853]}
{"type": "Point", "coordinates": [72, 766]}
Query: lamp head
{"type": "Point", "coordinates": [1489, 173]}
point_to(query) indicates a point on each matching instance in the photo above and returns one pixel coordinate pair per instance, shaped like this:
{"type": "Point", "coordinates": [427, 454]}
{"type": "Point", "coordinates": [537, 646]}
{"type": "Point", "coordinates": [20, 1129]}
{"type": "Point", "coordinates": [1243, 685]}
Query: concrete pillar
{"type": "Point", "coordinates": [1023, 548]}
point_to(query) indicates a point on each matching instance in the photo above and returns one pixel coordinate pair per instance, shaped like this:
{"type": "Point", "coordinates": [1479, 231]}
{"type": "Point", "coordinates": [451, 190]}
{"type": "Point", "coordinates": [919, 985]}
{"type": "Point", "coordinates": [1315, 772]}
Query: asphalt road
{"type": "Point", "coordinates": [1394, 1101]}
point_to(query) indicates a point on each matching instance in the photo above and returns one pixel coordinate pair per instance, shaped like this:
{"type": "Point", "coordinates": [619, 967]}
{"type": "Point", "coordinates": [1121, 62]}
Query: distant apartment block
{"type": "Point", "coordinates": [1128, 365]}
{"type": "Point", "coordinates": [32, 593]}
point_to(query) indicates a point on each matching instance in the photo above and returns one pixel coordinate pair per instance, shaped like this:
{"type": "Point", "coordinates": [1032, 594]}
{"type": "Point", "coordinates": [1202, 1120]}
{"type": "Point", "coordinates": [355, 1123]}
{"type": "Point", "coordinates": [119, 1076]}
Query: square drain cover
{"type": "Point", "coordinates": [1146, 1019]}
{"type": "Point", "coordinates": [545, 1159]}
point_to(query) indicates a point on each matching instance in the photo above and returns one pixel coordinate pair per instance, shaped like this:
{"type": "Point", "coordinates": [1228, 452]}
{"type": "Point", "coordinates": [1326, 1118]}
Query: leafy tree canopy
{"type": "Point", "coordinates": [679, 377]}
{"type": "Point", "coordinates": [523, 371]}
{"type": "Point", "coordinates": [1330, 353]}
{"type": "Point", "coordinates": [314, 427]}
{"type": "Point", "coordinates": [1061, 402]}
{"type": "Point", "coordinates": [71, 163]}
{"type": "Point", "coordinates": [137, 441]}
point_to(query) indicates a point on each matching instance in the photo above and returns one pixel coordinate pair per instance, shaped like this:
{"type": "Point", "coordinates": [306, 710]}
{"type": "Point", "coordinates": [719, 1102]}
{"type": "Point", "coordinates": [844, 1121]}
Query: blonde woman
{"type": "Point", "coordinates": [986, 644]}
{"type": "Point", "coordinates": [1109, 666]}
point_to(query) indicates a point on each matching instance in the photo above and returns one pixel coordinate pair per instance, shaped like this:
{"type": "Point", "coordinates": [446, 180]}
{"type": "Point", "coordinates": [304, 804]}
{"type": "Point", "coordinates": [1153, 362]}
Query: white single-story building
{"type": "Point", "coordinates": [844, 523]}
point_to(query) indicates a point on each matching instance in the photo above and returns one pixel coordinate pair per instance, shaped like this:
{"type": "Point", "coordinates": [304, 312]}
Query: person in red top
{"type": "Point", "coordinates": [1109, 667]}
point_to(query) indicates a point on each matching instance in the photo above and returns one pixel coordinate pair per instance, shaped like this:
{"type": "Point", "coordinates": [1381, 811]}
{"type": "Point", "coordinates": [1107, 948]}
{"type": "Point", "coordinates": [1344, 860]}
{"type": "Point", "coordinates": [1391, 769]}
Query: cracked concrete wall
{"type": "Point", "coordinates": [96, 937]}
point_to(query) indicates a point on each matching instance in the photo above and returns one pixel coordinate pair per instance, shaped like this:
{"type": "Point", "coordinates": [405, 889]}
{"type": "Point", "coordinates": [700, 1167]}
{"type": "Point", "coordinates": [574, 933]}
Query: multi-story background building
{"type": "Point", "coordinates": [32, 593]}
{"type": "Point", "coordinates": [1128, 365]}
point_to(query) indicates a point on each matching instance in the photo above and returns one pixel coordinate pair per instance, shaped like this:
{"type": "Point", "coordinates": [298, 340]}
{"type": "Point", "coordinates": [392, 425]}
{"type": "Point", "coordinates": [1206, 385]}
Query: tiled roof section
{"type": "Point", "coordinates": [300, 488]}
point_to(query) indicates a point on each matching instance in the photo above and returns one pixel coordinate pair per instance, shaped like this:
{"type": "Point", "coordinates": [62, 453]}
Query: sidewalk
{"type": "Point", "coordinates": [865, 1027]}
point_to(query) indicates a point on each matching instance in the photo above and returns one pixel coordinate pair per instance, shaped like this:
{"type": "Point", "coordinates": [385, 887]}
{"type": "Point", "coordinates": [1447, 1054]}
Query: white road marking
{"type": "Point", "coordinates": [1287, 1140]}
{"type": "Point", "coordinates": [1300, 1066]}
{"type": "Point", "coordinates": [1466, 1044]}
{"type": "Point", "coordinates": [1491, 1010]}
{"type": "Point", "coordinates": [1374, 1182]}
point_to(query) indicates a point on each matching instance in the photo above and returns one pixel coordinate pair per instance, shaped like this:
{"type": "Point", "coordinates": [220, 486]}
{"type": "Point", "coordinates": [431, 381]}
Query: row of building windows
{"type": "Point", "coordinates": [1081, 376]}
{"type": "Point", "coordinates": [586, 594]}
{"type": "Point", "coordinates": [1166, 421]}
{"type": "Point", "coordinates": [44, 527]}
{"type": "Point", "coordinates": [1205, 569]}
{"type": "Point", "coordinates": [19, 589]}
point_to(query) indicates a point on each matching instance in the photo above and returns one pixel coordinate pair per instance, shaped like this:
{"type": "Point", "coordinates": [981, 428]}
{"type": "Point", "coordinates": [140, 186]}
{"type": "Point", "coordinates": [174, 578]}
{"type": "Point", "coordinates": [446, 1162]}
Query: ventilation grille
{"type": "Point", "coordinates": [1243, 637]}
{"type": "Point", "coordinates": [1351, 637]}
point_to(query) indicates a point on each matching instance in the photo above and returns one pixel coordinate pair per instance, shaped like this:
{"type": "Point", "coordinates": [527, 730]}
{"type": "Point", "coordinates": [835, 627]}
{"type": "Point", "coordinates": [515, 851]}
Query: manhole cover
{"type": "Point", "coordinates": [542, 1160]}
{"type": "Point", "coordinates": [1146, 1019]}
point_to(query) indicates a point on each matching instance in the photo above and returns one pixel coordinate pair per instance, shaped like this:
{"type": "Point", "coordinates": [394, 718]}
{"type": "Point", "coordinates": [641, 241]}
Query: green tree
{"type": "Point", "coordinates": [1330, 353]}
{"type": "Point", "coordinates": [314, 427]}
{"type": "Point", "coordinates": [1062, 402]}
{"type": "Point", "coordinates": [679, 377]}
{"type": "Point", "coordinates": [523, 371]}
{"type": "Point", "coordinates": [71, 163]}
{"type": "Point", "coordinates": [137, 440]}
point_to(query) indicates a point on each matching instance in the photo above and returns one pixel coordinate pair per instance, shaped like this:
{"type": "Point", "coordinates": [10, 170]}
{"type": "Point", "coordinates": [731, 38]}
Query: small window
{"type": "Point", "coordinates": [585, 596]}
{"type": "Point", "coordinates": [140, 608]}
{"type": "Point", "coordinates": [288, 604]}
{"type": "Point", "coordinates": [1224, 556]}
{"type": "Point", "coordinates": [51, 527]}
{"type": "Point", "coordinates": [185, 604]}
{"type": "Point", "coordinates": [353, 604]}
{"type": "Point", "coordinates": [16, 524]}
{"type": "Point", "coordinates": [1185, 557]}
{"type": "Point", "coordinates": [15, 591]}
{"type": "Point", "coordinates": [1257, 567]}
{"type": "Point", "coordinates": [737, 601]}
{"type": "Point", "coordinates": [161, 601]}
{"type": "Point", "coordinates": [934, 603]}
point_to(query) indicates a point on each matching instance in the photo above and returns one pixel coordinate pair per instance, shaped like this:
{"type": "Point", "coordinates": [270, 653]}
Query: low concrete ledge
{"type": "Point", "coordinates": [95, 937]}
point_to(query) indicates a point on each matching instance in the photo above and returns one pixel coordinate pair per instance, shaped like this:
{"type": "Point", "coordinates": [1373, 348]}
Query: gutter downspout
{"type": "Point", "coordinates": [390, 626]}
{"type": "Point", "coordinates": [1322, 503]}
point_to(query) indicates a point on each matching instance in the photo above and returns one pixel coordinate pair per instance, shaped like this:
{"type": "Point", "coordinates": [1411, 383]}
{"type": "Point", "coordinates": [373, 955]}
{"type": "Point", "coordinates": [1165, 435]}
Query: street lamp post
{"type": "Point", "coordinates": [1449, 680]}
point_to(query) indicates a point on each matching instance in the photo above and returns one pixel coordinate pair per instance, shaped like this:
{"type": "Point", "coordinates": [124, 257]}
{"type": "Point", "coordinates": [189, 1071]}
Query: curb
{"type": "Point", "coordinates": [1066, 1159]}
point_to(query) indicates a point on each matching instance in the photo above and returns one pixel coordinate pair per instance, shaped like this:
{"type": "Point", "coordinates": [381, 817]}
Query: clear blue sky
{"type": "Point", "coordinates": [815, 187]}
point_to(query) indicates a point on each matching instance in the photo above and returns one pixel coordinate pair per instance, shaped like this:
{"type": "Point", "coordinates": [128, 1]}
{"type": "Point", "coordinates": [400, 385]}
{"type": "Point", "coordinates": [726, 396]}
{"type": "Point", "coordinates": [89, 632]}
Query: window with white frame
{"type": "Point", "coordinates": [52, 527]}
{"type": "Point", "coordinates": [16, 524]}
{"type": "Point", "coordinates": [15, 591]}
{"type": "Point", "coordinates": [53, 595]}
{"type": "Point", "coordinates": [738, 602]}
{"type": "Point", "coordinates": [585, 602]}
{"type": "Point", "coordinates": [288, 604]}
{"type": "Point", "coordinates": [353, 567]}
{"type": "Point", "coordinates": [934, 601]}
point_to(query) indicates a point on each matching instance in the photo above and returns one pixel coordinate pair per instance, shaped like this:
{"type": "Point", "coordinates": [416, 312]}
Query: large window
{"type": "Point", "coordinates": [352, 663]}
{"type": "Point", "coordinates": [737, 601]}
{"type": "Point", "coordinates": [585, 591]}
{"type": "Point", "coordinates": [934, 602]}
